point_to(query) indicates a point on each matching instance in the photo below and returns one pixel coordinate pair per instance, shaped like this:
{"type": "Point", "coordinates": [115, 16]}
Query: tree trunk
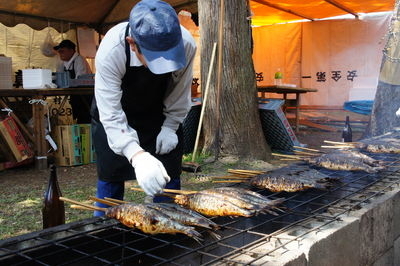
{"type": "Point", "coordinates": [387, 98]}
{"type": "Point", "coordinates": [232, 125]}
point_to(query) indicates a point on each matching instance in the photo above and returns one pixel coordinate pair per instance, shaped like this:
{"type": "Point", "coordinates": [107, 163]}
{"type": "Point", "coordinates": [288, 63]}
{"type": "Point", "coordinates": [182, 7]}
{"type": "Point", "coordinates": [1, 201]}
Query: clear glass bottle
{"type": "Point", "coordinates": [347, 135]}
{"type": "Point", "coordinates": [53, 210]}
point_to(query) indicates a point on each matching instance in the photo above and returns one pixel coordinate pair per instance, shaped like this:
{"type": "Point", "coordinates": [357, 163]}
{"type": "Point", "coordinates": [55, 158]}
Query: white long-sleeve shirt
{"type": "Point", "coordinates": [110, 69]}
{"type": "Point", "coordinates": [78, 63]}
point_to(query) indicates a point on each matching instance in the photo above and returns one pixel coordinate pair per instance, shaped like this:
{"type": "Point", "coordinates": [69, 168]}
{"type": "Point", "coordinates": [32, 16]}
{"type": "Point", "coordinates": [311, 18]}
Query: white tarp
{"type": "Point", "coordinates": [23, 43]}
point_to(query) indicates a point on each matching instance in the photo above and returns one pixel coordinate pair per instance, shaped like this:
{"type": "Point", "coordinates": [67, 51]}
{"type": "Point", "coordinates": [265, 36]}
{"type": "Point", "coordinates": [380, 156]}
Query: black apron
{"type": "Point", "coordinates": [80, 104]}
{"type": "Point", "coordinates": [142, 101]}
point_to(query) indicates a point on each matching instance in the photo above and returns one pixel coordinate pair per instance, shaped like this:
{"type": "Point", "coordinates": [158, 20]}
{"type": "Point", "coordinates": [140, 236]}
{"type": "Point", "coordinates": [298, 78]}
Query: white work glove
{"type": "Point", "coordinates": [398, 113]}
{"type": "Point", "coordinates": [150, 173]}
{"type": "Point", "coordinates": [166, 141]}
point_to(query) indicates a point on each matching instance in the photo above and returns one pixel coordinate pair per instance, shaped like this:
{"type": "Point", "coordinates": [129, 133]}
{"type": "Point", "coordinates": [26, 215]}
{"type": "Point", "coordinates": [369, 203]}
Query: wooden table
{"type": "Point", "coordinates": [285, 90]}
{"type": "Point", "coordinates": [38, 111]}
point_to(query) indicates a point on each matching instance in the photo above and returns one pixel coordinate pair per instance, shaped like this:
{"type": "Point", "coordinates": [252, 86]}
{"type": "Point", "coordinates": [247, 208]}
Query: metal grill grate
{"type": "Point", "coordinates": [101, 241]}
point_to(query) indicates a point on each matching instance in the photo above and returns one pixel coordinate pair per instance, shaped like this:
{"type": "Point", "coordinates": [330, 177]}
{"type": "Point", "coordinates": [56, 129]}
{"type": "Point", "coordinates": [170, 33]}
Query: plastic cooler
{"type": "Point", "coordinates": [190, 125]}
{"type": "Point", "coordinates": [277, 130]}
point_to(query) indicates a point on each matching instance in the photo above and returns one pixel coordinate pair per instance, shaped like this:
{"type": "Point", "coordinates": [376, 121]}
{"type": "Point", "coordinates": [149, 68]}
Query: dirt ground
{"type": "Point", "coordinates": [21, 189]}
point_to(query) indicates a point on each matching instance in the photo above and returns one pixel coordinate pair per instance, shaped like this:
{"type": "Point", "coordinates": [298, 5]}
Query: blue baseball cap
{"type": "Point", "coordinates": [156, 30]}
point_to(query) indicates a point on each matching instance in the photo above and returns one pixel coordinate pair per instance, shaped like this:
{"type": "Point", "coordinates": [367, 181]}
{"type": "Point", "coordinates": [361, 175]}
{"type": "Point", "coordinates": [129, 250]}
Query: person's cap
{"type": "Point", "coordinates": [65, 44]}
{"type": "Point", "coordinates": [156, 30]}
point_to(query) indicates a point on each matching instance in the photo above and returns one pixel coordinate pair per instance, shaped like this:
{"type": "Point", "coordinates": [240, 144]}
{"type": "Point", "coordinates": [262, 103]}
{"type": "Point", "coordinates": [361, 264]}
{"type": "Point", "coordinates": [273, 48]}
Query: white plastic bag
{"type": "Point", "coordinates": [47, 46]}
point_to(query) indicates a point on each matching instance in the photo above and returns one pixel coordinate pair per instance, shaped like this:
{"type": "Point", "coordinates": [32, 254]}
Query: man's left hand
{"type": "Point", "coordinates": [166, 141]}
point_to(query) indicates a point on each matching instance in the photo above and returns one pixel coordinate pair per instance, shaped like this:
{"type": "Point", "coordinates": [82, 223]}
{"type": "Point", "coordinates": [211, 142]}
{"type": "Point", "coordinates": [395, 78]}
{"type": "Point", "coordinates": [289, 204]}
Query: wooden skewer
{"type": "Point", "coordinates": [241, 174]}
{"type": "Point", "coordinates": [287, 156]}
{"type": "Point", "coordinates": [232, 177]}
{"type": "Point", "coordinates": [104, 201]}
{"type": "Point", "coordinates": [167, 192]}
{"type": "Point", "coordinates": [91, 207]}
{"type": "Point", "coordinates": [245, 171]}
{"type": "Point", "coordinates": [74, 206]}
{"type": "Point", "coordinates": [305, 153]}
{"type": "Point", "coordinates": [226, 181]}
{"type": "Point", "coordinates": [306, 149]}
{"type": "Point", "coordinates": [179, 191]}
{"type": "Point", "coordinates": [340, 143]}
{"type": "Point", "coordinates": [116, 200]}
{"type": "Point", "coordinates": [289, 159]}
{"type": "Point", "coordinates": [336, 147]}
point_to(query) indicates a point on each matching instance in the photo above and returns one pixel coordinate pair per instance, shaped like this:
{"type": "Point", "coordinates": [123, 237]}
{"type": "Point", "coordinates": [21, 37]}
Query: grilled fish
{"type": "Point", "coordinates": [384, 145]}
{"type": "Point", "coordinates": [259, 201]}
{"type": "Point", "coordinates": [342, 161]}
{"type": "Point", "coordinates": [364, 158]}
{"type": "Point", "coordinates": [149, 220]}
{"type": "Point", "coordinates": [289, 183]}
{"type": "Point", "coordinates": [237, 200]}
{"type": "Point", "coordinates": [212, 205]}
{"type": "Point", "coordinates": [296, 177]}
{"type": "Point", "coordinates": [184, 216]}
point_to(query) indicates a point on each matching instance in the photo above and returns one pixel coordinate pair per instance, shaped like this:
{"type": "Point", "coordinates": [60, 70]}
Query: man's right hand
{"type": "Point", "coordinates": [150, 173]}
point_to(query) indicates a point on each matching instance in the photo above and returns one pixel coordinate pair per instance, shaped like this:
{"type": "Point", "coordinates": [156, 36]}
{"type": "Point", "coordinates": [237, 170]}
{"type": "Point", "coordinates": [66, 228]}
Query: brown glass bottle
{"type": "Point", "coordinates": [53, 210]}
{"type": "Point", "coordinates": [347, 135]}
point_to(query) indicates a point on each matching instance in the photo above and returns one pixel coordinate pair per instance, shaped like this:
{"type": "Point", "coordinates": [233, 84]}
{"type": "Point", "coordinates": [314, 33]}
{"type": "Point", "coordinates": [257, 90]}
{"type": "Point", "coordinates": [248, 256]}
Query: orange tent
{"type": "Point", "coordinates": [61, 14]}
{"type": "Point", "coordinates": [271, 12]}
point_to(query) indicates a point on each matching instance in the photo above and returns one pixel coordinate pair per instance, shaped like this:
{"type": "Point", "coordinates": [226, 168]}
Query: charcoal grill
{"type": "Point", "coordinates": [103, 241]}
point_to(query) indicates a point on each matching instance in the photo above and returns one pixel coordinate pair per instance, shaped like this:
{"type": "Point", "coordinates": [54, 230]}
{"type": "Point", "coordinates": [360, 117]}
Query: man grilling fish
{"type": "Point", "coordinates": [142, 94]}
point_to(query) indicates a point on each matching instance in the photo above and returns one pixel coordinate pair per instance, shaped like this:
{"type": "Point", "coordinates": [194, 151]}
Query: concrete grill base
{"type": "Point", "coordinates": [369, 236]}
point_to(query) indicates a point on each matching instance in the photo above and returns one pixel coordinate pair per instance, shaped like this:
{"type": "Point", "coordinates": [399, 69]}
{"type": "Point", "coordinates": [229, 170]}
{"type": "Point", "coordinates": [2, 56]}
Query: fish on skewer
{"type": "Point", "coordinates": [259, 202]}
{"type": "Point", "coordinates": [288, 183]}
{"type": "Point", "coordinates": [292, 178]}
{"type": "Point", "coordinates": [174, 211]}
{"type": "Point", "coordinates": [212, 205]}
{"type": "Point", "coordinates": [149, 220]}
{"type": "Point", "coordinates": [227, 202]}
{"type": "Point", "coordinates": [365, 158]}
{"type": "Point", "coordinates": [387, 143]}
{"type": "Point", "coordinates": [143, 217]}
{"type": "Point", "coordinates": [384, 145]}
{"type": "Point", "coordinates": [343, 161]}
{"type": "Point", "coordinates": [185, 216]}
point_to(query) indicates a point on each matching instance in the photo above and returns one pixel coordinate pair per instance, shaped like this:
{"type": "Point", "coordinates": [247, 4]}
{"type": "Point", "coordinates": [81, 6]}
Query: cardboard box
{"type": "Point", "coordinates": [68, 140]}
{"type": "Point", "coordinates": [86, 142]}
{"type": "Point", "coordinates": [11, 135]}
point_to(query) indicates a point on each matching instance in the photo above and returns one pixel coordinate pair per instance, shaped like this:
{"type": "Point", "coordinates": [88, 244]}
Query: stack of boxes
{"type": "Point", "coordinates": [6, 75]}
{"type": "Point", "coordinates": [75, 145]}
{"type": "Point", "coordinates": [14, 150]}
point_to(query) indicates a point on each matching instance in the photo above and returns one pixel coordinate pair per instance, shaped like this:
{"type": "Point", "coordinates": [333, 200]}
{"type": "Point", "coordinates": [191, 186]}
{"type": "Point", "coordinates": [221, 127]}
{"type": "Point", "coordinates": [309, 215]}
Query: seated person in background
{"type": "Point", "coordinates": [75, 65]}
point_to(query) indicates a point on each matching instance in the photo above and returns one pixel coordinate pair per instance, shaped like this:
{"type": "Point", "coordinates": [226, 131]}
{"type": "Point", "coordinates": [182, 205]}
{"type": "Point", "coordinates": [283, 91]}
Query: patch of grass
{"type": "Point", "coordinates": [22, 191]}
{"type": "Point", "coordinates": [200, 158]}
